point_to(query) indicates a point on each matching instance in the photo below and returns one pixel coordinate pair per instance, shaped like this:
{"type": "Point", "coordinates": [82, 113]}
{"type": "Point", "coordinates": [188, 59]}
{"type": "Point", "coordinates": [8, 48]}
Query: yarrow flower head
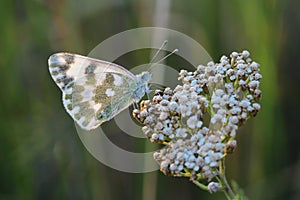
{"type": "Point", "coordinates": [198, 120]}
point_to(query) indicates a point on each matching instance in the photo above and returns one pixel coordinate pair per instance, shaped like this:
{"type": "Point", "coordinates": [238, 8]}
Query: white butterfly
{"type": "Point", "coordinates": [94, 91]}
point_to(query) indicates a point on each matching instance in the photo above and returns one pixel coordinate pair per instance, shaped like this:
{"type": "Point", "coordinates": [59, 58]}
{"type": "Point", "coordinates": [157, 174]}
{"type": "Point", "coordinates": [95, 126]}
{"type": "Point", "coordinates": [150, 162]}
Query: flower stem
{"type": "Point", "coordinates": [228, 191]}
{"type": "Point", "coordinates": [200, 185]}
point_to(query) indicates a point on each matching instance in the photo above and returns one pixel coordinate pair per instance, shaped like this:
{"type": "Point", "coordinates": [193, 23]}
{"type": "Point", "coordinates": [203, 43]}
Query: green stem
{"type": "Point", "coordinates": [200, 185]}
{"type": "Point", "coordinates": [228, 191]}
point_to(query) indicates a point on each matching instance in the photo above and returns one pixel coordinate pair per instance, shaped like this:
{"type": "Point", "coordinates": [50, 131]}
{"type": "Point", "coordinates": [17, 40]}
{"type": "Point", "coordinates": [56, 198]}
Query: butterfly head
{"type": "Point", "coordinates": [145, 77]}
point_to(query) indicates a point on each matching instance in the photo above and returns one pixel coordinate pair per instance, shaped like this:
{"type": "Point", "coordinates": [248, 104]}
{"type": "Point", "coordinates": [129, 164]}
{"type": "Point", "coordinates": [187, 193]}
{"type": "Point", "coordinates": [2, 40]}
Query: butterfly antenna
{"type": "Point", "coordinates": [174, 51]}
{"type": "Point", "coordinates": [160, 48]}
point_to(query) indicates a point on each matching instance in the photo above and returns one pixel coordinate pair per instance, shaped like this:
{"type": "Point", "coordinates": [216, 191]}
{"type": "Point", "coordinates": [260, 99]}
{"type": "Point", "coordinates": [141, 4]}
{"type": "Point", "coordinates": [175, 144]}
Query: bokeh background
{"type": "Point", "coordinates": [42, 157]}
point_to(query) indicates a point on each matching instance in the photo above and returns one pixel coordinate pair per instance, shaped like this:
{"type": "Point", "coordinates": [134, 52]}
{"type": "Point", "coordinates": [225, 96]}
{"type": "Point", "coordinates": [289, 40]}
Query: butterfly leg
{"type": "Point", "coordinates": [148, 91]}
{"type": "Point", "coordinates": [135, 105]}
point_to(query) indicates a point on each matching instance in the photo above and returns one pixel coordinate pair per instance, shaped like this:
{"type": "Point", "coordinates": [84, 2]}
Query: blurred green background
{"type": "Point", "coordinates": [42, 157]}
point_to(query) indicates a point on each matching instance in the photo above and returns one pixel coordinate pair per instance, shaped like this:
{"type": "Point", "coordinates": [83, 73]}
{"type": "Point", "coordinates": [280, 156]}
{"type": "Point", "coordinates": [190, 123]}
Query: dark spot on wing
{"type": "Point", "coordinates": [63, 67]}
{"type": "Point", "coordinates": [109, 79]}
{"type": "Point", "coordinates": [100, 95]}
{"type": "Point", "coordinates": [69, 106]}
{"type": "Point", "coordinates": [54, 73]}
{"type": "Point", "coordinates": [69, 58]}
{"type": "Point", "coordinates": [66, 80]}
{"type": "Point", "coordinates": [68, 96]}
{"type": "Point", "coordinates": [90, 69]}
{"type": "Point", "coordinates": [105, 113]}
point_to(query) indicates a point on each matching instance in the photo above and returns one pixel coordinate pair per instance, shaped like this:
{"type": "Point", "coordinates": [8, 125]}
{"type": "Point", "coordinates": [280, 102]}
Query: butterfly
{"type": "Point", "coordinates": [94, 91]}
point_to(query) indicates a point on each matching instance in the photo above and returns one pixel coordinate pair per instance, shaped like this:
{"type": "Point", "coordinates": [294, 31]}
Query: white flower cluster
{"type": "Point", "coordinates": [197, 121]}
{"type": "Point", "coordinates": [163, 117]}
{"type": "Point", "coordinates": [197, 154]}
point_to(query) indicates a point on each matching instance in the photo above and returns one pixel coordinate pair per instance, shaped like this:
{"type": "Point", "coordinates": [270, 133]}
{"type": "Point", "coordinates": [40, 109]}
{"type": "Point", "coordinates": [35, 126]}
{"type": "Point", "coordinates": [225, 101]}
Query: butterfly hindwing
{"type": "Point", "coordinates": [92, 104]}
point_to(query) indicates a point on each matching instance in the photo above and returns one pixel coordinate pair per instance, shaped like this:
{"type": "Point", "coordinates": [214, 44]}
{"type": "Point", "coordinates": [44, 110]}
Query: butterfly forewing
{"type": "Point", "coordinates": [66, 68]}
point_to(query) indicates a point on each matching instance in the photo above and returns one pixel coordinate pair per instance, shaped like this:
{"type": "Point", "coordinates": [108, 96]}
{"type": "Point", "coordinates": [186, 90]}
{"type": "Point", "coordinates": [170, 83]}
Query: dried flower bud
{"type": "Point", "coordinates": [231, 146]}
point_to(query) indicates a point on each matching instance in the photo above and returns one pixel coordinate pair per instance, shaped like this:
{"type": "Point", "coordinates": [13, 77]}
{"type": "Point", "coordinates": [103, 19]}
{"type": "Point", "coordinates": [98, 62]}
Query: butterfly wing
{"type": "Point", "coordinates": [96, 98]}
{"type": "Point", "coordinates": [94, 91]}
{"type": "Point", "coordinates": [66, 68]}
